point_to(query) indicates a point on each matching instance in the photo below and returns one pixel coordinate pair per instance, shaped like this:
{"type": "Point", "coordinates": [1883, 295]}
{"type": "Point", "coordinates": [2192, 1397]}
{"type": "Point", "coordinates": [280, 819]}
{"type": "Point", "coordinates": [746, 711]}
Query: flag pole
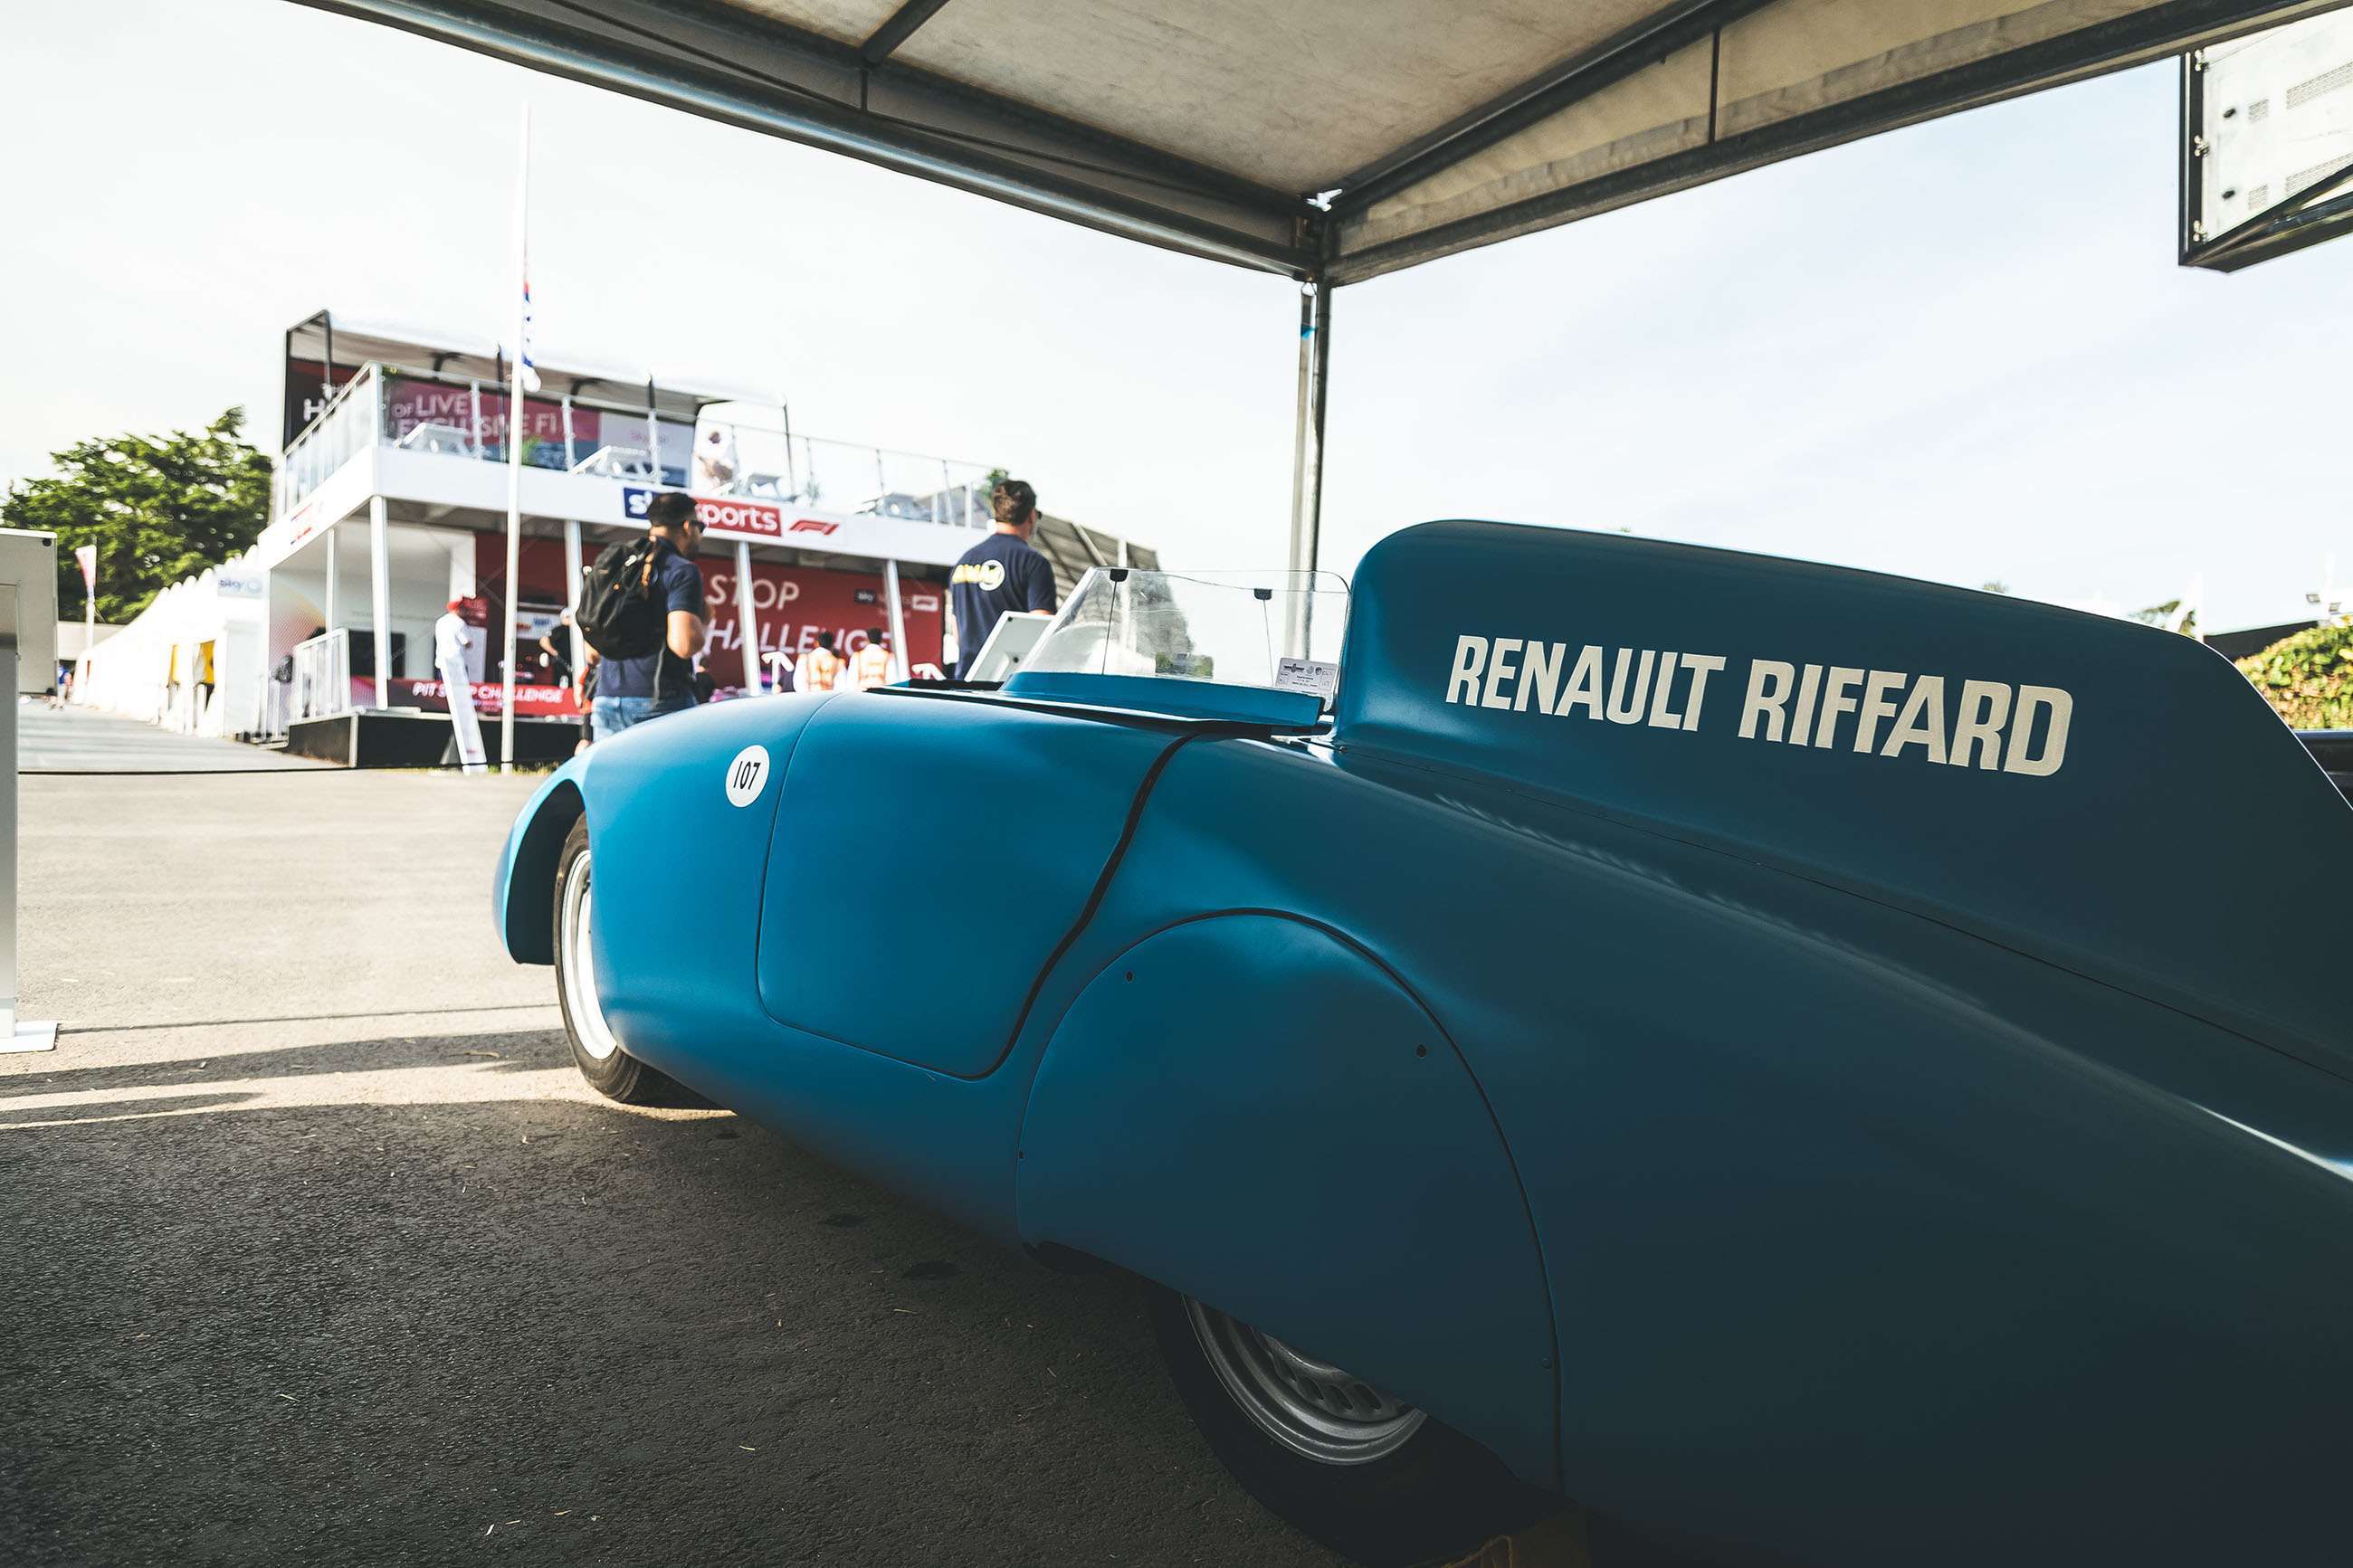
{"type": "Point", "coordinates": [515, 425]}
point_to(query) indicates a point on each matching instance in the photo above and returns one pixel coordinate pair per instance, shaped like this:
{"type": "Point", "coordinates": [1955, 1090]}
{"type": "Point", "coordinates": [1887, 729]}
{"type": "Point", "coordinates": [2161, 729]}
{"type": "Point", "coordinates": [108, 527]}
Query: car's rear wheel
{"type": "Point", "coordinates": [596, 1049]}
{"type": "Point", "coordinates": [1368, 1475]}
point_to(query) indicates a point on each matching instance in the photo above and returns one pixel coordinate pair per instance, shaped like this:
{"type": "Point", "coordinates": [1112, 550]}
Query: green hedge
{"type": "Point", "coordinates": [2308, 677]}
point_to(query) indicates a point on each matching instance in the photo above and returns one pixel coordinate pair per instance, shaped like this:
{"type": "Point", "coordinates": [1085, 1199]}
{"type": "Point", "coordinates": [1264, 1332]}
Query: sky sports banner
{"type": "Point", "coordinates": [729, 518]}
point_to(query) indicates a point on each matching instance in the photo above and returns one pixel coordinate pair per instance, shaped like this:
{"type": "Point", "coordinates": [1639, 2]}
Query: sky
{"type": "Point", "coordinates": [1962, 351]}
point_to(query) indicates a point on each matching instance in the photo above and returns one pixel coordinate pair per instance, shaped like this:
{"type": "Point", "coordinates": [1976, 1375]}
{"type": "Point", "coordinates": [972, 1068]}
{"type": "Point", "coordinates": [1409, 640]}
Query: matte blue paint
{"type": "Point", "coordinates": [2188, 871]}
{"type": "Point", "coordinates": [1184, 698]}
{"type": "Point", "coordinates": [990, 824]}
{"type": "Point", "coordinates": [526, 924]}
{"type": "Point", "coordinates": [1858, 1230]}
{"type": "Point", "coordinates": [1248, 1110]}
{"type": "Point", "coordinates": [1910, 1163]}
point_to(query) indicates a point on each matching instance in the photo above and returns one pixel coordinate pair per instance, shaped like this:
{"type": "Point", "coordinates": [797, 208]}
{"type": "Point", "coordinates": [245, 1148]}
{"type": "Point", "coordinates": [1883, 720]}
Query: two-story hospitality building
{"type": "Point", "coordinates": [391, 501]}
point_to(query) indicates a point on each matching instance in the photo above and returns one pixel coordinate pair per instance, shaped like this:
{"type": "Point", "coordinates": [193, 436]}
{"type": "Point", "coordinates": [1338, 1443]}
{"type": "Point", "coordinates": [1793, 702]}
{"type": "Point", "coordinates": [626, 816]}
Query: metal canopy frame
{"type": "Point", "coordinates": [728, 64]}
{"type": "Point", "coordinates": [2322, 211]}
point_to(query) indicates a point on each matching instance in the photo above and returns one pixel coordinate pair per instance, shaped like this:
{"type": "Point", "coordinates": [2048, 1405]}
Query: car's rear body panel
{"type": "Point", "coordinates": [948, 845]}
{"type": "Point", "coordinates": [1850, 1220]}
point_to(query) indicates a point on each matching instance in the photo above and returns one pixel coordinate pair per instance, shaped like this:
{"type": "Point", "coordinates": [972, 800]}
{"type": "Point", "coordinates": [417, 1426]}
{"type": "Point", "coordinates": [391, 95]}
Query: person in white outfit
{"type": "Point", "coordinates": [451, 638]}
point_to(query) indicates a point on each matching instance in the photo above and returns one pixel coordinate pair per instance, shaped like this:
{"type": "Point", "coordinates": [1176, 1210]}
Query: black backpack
{"type": "Point", "coordinates": [618, 617]}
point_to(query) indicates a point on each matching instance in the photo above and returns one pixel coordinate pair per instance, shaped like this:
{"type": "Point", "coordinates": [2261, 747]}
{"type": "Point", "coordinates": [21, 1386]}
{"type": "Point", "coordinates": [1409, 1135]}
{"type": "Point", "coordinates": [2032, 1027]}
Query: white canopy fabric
{"type": "Point", "coordinates": [1329, 141]}
{"type": "Point", "coordinates": [1334, 139]}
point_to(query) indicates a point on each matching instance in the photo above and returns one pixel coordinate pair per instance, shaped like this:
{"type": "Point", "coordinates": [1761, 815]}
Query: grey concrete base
{"type": "Point", "coordinates": [31, 1037]}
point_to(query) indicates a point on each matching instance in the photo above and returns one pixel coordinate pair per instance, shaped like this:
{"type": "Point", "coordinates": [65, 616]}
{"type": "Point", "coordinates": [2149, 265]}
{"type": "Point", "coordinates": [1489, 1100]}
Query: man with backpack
{"type": "Point", "coordinates": [642, 614]}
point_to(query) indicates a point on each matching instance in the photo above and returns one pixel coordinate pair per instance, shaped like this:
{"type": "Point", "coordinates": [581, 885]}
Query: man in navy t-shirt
{"type": "Point", "coordinates": [999, 575]}
{"type": "Point", "coordinates": [632, 690]}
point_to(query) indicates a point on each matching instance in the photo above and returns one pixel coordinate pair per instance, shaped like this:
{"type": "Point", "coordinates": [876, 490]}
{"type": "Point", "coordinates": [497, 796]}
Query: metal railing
{"type": "Point", "coordinates": [276, 698]}
{"type": "Point", "coordinates": [761, 464]}
{"type": "Point", "coordinates": [322, 676]}
{"type": "Point", "coordinates": [452, 417]}
{"type": "Point", "coordinates": [347, 426]}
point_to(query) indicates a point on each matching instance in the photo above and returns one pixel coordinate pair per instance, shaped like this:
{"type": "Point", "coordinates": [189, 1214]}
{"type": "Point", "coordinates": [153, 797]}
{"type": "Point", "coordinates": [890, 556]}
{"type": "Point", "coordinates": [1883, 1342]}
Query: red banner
{"type": "Point", "coordinates": [530, 702]}
{"type": "Point", "coordinates": [793, 604]}
{"type": "Point", "coordinates": [411, 401]}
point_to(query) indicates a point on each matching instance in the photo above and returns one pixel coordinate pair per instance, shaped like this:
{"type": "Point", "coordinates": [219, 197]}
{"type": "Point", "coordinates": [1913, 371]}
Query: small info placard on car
{"type": "Point", "coordinates": [1313, 675]}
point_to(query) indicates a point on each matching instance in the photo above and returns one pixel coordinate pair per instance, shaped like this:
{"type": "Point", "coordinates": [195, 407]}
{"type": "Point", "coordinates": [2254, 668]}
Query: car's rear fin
{"type": "Point", "coordinates": [2113, 797]}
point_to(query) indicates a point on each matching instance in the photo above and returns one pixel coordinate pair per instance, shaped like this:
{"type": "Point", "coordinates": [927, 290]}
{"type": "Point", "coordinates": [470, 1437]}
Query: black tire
{"type": "Point", "coordinates": [1438, 1497]}
{"type": "Point", "coordinates": [610, 1070]}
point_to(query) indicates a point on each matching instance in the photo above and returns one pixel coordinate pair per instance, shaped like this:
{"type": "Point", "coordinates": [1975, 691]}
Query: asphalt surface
{"type": "Point", "coordinates": [318, 1250]}
{"type": "Point", "coordinates": [54, 739]}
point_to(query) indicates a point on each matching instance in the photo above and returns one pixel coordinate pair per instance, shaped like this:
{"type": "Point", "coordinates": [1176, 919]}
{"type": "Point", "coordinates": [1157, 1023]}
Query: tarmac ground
{"type": "Point", "coordinates": [319, 1252]}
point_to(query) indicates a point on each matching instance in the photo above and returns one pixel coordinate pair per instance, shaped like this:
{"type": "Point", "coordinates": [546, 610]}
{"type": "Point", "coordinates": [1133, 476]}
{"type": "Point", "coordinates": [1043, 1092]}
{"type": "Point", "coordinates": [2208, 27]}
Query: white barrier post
{"type": "Point", "coordinates": [29, 659]}
{"type": "Point", "coordinates": [379, 604]}
{"type": "Point", "coordinates": [334, 604]}
{"type": "Point", "coordinates": [747, 619]}
{"type": "Point", "coordinates": [572, 592]}
{"type": "Point", "coordinates": [902, 667]}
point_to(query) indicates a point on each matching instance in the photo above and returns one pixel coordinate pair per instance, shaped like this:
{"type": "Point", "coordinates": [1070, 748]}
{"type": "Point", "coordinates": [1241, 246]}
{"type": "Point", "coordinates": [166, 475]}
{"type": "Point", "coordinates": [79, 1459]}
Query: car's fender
{"type": "Point", "coordinates": [1249, 1109]}
{"type": "Point", "coordinates": [520, 907]}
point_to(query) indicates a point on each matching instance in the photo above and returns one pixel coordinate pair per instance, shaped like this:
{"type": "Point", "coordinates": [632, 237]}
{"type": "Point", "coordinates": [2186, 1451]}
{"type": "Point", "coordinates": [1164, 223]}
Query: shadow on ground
{"type": "Point", "coordinates": [551, 1330]}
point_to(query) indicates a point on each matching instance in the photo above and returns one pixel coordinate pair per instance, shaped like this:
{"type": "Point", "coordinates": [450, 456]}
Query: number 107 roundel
{"type": "Point", "coordinates": [1803, 1066]}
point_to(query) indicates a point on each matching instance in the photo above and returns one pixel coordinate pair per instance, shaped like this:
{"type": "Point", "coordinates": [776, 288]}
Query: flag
{"type": "Point", "coordinates": [88, 555]}
{"type": "Point", "coordinates": [529, 365]}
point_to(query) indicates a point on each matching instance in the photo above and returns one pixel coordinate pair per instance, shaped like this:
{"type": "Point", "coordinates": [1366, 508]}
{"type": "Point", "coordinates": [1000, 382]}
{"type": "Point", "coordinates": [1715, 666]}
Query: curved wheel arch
{"type": "Point", "coordinates": [527, 873]}
{"type": "Point", "coordinates": [1060, 1190]}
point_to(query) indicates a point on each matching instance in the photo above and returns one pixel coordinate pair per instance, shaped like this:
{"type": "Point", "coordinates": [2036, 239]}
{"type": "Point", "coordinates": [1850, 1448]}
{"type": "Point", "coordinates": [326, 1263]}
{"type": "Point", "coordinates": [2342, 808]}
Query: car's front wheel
{"type": "Point", "coordinates": [1374, 1478]}
{"type": "Point", "coordinates": [596, 1049]}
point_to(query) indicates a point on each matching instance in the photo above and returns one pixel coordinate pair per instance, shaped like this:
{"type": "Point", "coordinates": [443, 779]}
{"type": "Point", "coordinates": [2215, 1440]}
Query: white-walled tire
{"type": "Point", "coordinates": [596, 1049]}
{"type": "Point", "coordinates": [1378, 1481]}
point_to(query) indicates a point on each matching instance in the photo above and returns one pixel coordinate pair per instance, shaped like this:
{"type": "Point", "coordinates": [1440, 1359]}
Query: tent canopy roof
{"type": "Point", "coordinates": [1338, 139]}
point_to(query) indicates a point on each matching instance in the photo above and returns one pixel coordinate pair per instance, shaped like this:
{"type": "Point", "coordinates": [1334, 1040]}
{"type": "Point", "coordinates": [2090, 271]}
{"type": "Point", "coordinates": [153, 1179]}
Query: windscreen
{"type": "Point", "coordinates": [1237, 628]}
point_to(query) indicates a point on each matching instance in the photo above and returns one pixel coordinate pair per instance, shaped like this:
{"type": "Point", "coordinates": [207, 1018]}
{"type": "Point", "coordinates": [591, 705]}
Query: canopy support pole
{"type": "Point", "coordinates": [1307, 453]}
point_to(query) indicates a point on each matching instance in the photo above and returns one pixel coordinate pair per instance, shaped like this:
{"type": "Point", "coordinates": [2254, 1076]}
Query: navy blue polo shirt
{"type": "Point", "coordinates": [676, 586]}
{"type": "Point", "coordinates": [995, 577]}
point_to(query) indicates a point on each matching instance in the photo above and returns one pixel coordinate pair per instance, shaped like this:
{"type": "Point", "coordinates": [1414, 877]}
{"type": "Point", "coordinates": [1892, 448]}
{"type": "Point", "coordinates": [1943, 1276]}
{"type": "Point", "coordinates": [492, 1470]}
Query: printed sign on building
{"type": "Point", "coordinates": [725, 517]}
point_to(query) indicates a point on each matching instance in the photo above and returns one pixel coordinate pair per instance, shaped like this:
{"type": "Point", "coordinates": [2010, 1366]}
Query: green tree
{"type": "Point", "coordinates": [2308, 678]}
{"type": "Point", "coordinates": [158, 509]}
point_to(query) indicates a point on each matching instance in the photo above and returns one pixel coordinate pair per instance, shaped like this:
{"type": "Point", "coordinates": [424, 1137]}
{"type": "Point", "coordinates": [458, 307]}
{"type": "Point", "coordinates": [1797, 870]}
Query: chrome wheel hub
{"type": "Point", "coordinates": [593, 1035]}
{"type": "Point", "coordinates": [1309, 1406]}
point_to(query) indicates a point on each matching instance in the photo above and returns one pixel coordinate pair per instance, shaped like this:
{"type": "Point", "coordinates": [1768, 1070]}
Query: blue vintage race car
{"type": "Point", "coordinates": [1813, 1066]}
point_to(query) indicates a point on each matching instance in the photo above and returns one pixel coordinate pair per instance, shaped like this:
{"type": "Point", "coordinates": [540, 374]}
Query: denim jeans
{"type": "Point", "coordinates": [608, 716]}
